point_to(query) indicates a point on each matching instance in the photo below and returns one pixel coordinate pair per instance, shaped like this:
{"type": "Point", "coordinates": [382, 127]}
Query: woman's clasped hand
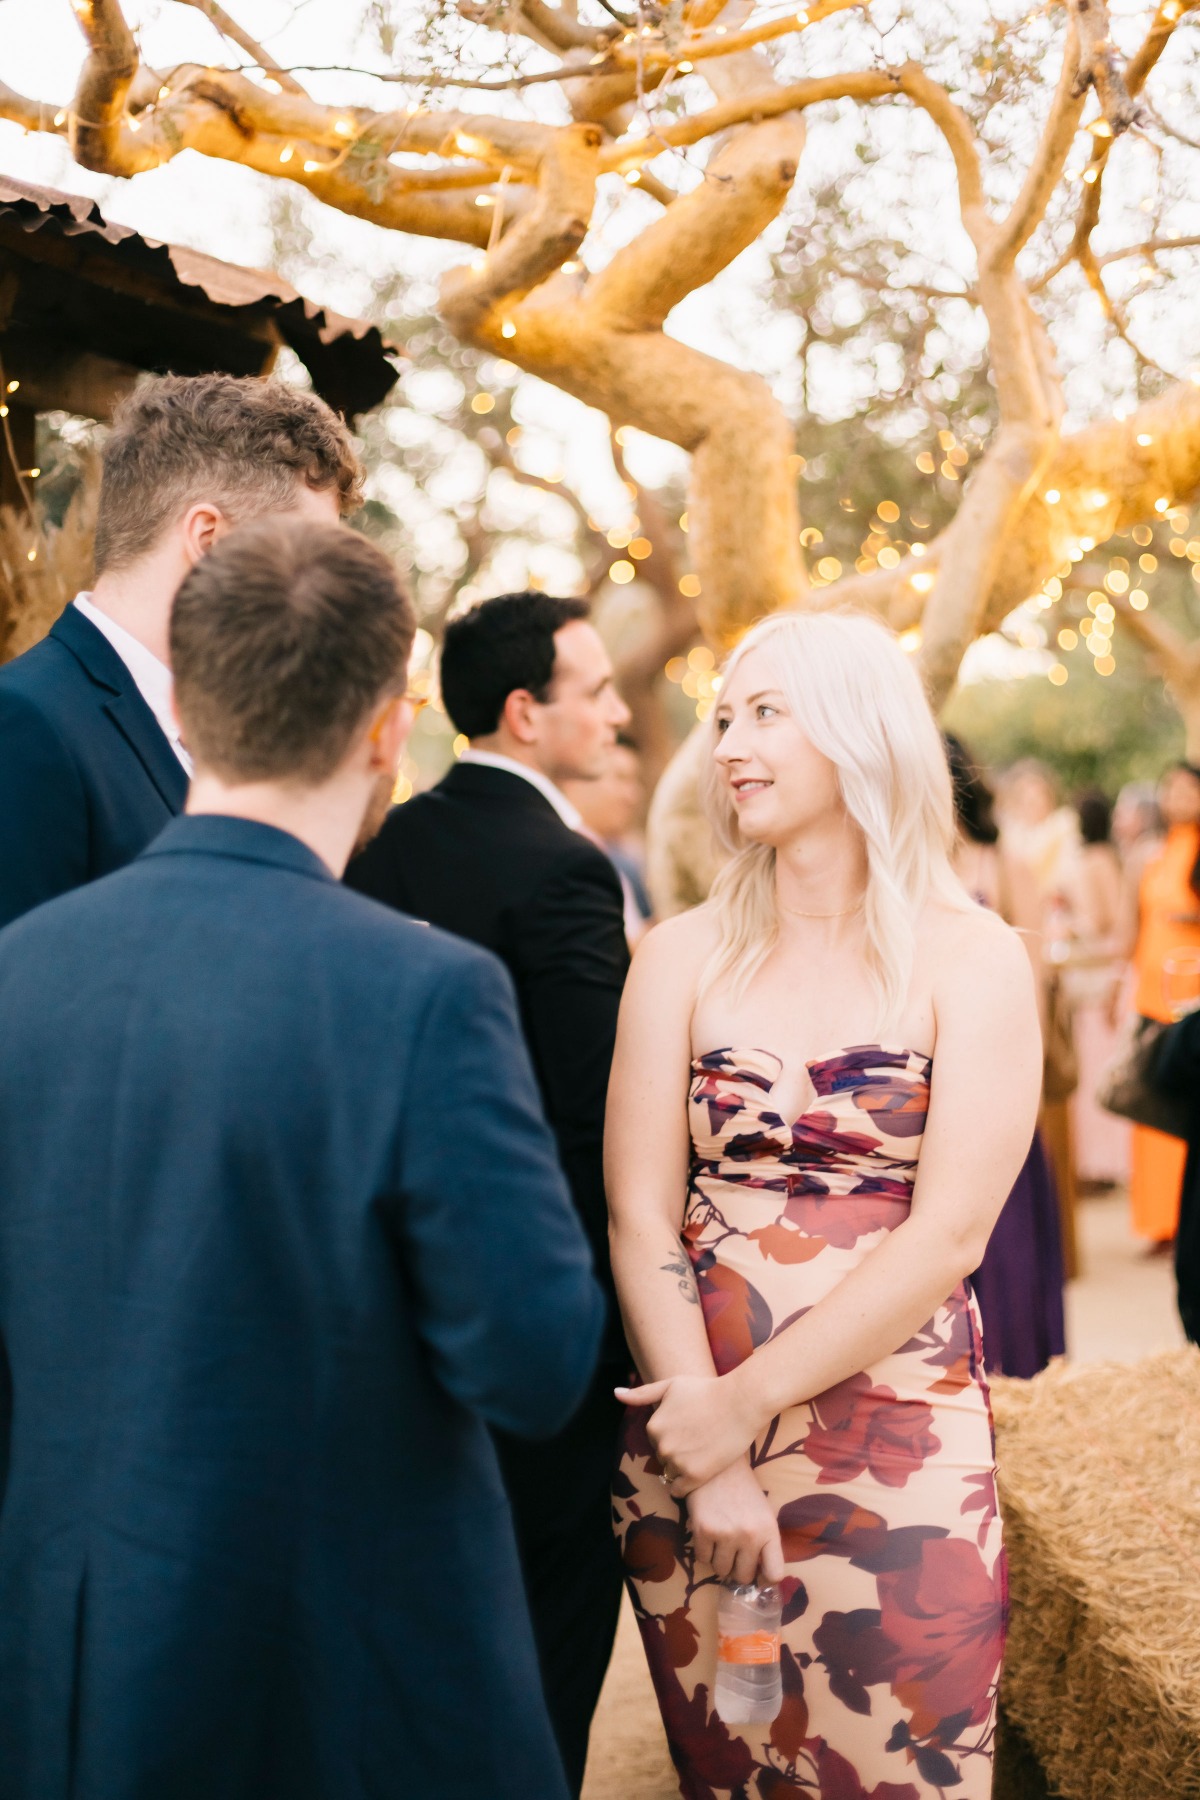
{"type": "Point", "coordinates": [701, 1424]}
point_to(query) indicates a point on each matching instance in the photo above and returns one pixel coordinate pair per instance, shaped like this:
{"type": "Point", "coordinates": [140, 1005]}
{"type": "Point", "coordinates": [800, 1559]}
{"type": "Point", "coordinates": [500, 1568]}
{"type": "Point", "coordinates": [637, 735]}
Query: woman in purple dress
{"type": "Point", "coordinates": [1019, 1284]}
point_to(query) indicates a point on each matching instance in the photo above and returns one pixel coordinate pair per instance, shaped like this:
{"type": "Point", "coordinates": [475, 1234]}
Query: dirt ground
{"type": "Point", "coordinates": [1121, 1308]}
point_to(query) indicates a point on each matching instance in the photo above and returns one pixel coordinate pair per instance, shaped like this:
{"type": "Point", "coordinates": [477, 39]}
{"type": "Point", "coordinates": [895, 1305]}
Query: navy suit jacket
{"type": "Point", "coordinates": [281, 1227]}
{"type": "Point", "coordinates": [87, 776]}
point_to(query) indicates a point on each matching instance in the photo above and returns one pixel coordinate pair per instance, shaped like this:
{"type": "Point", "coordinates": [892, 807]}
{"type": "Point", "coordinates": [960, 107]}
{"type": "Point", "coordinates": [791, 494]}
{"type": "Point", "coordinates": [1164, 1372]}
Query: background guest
{"type": "Point", "coordinates": [281, 1226]}
{"type": "Point", "coordinates": [1176, 1072]}
{"type": "Point", "coordinates": [1168, 926]}
{"type": "Point", "coordinates": [494, 853]}
{"type": "Point", "coordinates": [1043, 834]}
{"type": "Point", "coordinates": [612, 808]}
{"type": "Point", "coordinates": [1092, 976]}
{"type": "Point", "coordinates": [1137, 826]}
{"type": "Point", "coordinates": [93, 763]}
{"type": "Point", "coordinates": [1038, 828]}
{"type": "Point", "coordinates": [1019, 1283]}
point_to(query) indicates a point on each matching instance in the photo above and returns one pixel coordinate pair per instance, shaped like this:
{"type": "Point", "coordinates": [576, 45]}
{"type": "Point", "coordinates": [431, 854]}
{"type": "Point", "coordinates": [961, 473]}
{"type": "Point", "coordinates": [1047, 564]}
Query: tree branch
{"type": "Point", "coordinates": [230, 29]}
{"type": "Point", "coordinates": [1137, 72]}
{"type": "Point", "coordinates": [1049, 160]}
{"type": "Point", "coordinates": [1099, 65]}
{"type": "Point", "coordinates": [750, 178]}
{"type": "Point", "coordinates": [550, 27]}
{"type": "Point", "coordinates": [1152, 247]}
{"type": "Point", "coordinates": [538, 245]}
{"type": "Point", "coordinates": [728, 43]}
{"type": "Point", "coordinates": [98, 110]}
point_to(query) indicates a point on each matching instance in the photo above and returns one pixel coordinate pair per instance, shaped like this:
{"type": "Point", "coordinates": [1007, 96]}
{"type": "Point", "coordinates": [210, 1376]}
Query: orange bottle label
{"type": "Point", "coordinates": [748, 1647]}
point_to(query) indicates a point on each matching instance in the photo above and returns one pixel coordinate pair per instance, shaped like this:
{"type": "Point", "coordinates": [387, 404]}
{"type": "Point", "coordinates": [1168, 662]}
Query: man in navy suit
{"type": "Point", "coordinates": [91, 763]}
{"type": "Point", "coordinates": [282, 1231]}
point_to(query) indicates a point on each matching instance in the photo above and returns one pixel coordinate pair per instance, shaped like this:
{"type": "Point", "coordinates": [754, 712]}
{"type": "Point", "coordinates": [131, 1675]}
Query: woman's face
{"type": "Point", "coordinates": [780, 784]}
{"type": "Point", "coordinates": [1179, 797]}
{"type": "Point", "coordinates": [1030, 797]}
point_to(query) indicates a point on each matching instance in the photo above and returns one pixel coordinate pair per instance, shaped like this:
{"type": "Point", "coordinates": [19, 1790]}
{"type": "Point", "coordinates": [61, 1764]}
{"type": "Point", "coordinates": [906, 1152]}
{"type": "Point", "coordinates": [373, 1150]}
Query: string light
{"type": "Point", "coordinates": [1057, 673]}
{"type": "Point", "coordinates": [508, 329]}
{"type": "Point", "coordinates": [1144, 439]}
{"type": "Point", "coordinates": [1052, 496]}
{"type": "Point", "coordinates": [621, 572]}
{"type": "Point", "coordinates": [286, 154]}
{"type": "Point", "coordinates": [689, 586]}
{"type": "Point", "coordinates": [12, 387]}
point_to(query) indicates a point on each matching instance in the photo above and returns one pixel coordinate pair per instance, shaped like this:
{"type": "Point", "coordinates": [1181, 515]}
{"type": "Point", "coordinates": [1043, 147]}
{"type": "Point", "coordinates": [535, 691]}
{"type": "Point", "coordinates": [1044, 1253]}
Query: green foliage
{"type": "Point", "coordinates": [1094, 732]}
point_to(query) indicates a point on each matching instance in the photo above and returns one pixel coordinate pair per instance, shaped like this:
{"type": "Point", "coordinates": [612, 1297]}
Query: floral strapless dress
{"type": "Point", "coordinates": [895, 1596]}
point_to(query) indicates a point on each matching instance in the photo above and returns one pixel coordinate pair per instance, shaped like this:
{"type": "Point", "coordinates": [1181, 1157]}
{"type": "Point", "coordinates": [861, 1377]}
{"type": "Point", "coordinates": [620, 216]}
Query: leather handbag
{"type": "Point", "coordinates": [1125, 1086]}
{"type": "Point", "coordinates": [1060, 1072]}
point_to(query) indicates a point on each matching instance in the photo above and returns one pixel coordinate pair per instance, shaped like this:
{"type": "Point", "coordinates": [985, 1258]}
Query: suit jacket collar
{"type": "Point", "coordinates": [497, 785]}
{"type": "Point", "coordinates": [124, 704]}
{"type": "Point", "coordinates": [242, 840]}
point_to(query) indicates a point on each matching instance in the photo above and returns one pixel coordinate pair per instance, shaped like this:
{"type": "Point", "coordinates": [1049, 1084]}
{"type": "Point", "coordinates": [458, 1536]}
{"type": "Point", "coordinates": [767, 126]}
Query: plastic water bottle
{"type": "Point", "coordinates": [748, 1688]}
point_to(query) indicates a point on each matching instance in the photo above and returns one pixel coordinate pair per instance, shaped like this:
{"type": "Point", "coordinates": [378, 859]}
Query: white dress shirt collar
{"type": "Point", "coordinates": [487, 759]}
{"type": "Point", "coordinates": [151, 677]}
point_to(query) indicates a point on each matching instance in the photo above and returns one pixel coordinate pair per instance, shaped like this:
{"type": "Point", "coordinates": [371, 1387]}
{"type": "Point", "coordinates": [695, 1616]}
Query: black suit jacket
{"type": "Point", "coordinates": [486, 856]}
{"type": "Point", "coordinates": [87, 776]}
{"type": "Point", "coordinates": [1175, 1070]}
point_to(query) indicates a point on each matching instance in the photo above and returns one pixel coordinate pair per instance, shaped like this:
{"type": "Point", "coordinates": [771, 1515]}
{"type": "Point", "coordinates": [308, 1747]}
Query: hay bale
{"type": "Point", "coordinates": [1100, 1487]}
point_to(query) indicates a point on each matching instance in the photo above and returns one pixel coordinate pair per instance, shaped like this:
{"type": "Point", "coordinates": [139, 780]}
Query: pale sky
{"type": "Point", "coordinates": [221, 208]}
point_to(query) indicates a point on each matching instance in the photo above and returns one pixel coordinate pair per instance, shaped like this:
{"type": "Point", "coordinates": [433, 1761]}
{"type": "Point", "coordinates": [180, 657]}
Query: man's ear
{"type": "Point", "coordinates": [520, 716]}
{"type": "Point", "coordinates": [201, 526]}
{"type": "Point", "coordinates": [388, 735]}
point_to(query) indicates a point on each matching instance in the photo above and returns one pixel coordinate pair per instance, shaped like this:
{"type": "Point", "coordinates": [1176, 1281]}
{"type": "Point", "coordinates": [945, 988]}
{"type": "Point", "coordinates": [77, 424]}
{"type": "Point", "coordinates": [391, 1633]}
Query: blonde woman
{"type": "Point", "coordinates": [825, 1083]}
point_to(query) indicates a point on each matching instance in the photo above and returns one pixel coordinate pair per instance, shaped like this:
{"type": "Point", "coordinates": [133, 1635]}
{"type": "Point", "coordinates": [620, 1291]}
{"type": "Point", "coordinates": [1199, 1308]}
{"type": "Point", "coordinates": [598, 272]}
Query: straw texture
{"type": "Point", "coordinates": [1100, 1488]}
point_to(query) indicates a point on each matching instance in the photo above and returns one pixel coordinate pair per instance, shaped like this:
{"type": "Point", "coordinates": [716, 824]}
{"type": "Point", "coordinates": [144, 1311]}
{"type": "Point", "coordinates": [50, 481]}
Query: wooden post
{"type": "Point", "coordinates": [18, 451]}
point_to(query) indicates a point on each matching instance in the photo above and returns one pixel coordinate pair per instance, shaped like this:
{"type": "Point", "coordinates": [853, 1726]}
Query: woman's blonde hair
{"type": "Point", "coordinates": [857, 698]}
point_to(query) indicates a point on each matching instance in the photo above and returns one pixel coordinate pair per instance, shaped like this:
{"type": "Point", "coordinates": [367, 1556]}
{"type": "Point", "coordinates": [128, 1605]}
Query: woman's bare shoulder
{"type": "Point", "coordinates": [968, 940]}
{"type": "Point", "coordinates": [973, 959]}
{"type": "Point", "coordinates": [680, 944]}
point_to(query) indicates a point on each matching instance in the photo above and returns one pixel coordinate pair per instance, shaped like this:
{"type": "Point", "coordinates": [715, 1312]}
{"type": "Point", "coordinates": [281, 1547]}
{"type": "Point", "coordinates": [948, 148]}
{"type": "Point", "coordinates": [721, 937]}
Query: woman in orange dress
{"type": "Point", "coordinates": [1168, 922]}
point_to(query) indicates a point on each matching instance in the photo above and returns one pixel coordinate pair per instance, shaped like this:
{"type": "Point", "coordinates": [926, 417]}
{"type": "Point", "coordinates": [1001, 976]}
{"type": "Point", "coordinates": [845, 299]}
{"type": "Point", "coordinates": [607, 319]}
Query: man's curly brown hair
{"type": "Point", "coordinates": [240, 443]}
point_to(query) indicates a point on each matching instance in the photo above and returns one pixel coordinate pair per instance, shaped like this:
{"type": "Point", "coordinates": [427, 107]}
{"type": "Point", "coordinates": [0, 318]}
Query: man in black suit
{"type": "Point", "coordinates": [494, 854]}
{"type": "Point", "coordinates": [91, 763]}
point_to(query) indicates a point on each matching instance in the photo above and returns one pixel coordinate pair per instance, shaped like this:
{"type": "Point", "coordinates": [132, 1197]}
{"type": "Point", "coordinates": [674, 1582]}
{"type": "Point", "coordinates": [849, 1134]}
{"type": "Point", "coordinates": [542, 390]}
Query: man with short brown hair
{"type": "Point", "coordinates": [282, 1232]}
{"type": "Point", "coordinates": [91, 762]}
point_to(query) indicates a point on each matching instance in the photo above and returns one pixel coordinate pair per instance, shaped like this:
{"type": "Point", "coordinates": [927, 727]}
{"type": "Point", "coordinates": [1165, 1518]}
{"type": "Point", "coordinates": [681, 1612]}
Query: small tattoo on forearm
{"type": "Point", "coordinates": [682, 1268]}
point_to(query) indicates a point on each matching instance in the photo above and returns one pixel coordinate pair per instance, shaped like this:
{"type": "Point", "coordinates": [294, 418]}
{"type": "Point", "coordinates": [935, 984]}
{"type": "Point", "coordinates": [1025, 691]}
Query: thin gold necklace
{"type": "Point", "coordinates": [797, 914]}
